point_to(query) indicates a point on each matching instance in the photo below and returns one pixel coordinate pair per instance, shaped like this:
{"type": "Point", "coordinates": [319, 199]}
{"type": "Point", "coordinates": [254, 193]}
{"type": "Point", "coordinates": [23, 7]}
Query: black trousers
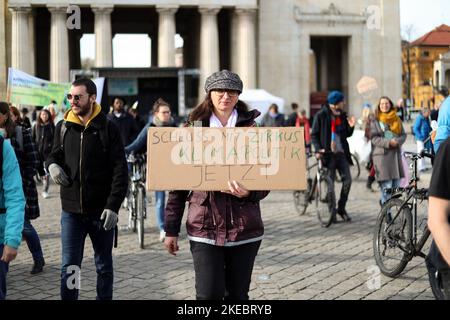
{"type": "Point", "coordinates": [223, 272]}
{"type": "Point", "coordinates": [340, 163]}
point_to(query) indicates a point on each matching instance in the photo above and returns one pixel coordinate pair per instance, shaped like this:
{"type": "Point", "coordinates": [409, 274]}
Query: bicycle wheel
{"type": "Point", "coordinates": [301, 198]}
{"type": "Point", "coordinates": [131, 206]}
{"type": "Point", "coordinates": [391, 242]}
{"type": "Point", "coordinates": [324, 201]}
{"type": "Point", "coordinates": [355, 169]}
{"type": "Point", "coordinates": [140, 215]}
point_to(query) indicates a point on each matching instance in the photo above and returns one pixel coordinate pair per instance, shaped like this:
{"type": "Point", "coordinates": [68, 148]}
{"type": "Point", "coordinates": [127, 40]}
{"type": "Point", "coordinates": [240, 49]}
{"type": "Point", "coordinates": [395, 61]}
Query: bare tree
{"type": "Point", "coordinates": [408, 31]}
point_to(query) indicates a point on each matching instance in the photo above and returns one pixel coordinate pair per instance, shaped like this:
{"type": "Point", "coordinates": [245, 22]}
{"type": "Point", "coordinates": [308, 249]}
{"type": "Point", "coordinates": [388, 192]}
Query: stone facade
{"type": "Point", "coordinates": [372, 30]}
{"type": "Point", "coordinates": [269, 43]}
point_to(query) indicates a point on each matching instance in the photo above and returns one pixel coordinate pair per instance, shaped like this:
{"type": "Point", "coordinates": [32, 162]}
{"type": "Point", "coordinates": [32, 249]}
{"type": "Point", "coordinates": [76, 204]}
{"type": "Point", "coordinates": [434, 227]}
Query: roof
{"type": "Point", "coordinates": [440, 36]}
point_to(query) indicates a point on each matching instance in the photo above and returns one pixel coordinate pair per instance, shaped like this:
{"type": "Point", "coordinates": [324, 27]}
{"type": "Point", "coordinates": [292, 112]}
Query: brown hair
{"type": "Point", "coordinates": [9, 124]}
{"type": "Point", "coordinates": [39, 120]}
{"type": "Point", "coordinates": [205, 109]}
{"type": "Point", "coordinates": [158, 104]}
{"type": "Point", "coordinates": [16, 113]}
{"type": "Point", "coordinates": [378, 111]}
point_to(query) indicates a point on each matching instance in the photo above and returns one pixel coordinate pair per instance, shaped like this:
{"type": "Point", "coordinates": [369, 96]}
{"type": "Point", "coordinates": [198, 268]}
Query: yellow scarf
{"type": "Point", "coordinates": [392, 120]}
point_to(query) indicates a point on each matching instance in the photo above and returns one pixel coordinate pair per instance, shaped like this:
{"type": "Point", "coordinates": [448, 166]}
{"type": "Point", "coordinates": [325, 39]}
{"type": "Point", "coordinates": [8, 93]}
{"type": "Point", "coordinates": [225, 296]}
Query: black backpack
{"type": "Point", "coordinates": [103, 134]}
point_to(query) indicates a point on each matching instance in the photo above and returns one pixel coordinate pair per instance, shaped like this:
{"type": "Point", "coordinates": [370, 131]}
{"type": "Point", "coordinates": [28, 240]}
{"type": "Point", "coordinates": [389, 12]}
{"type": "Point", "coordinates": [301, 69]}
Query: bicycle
{"type": "Point", "coordinates": [319, 190]}
{"type": "Point", "coordinates": [137, 200]}
{"type": "Point", "coordinates": [397, 229]}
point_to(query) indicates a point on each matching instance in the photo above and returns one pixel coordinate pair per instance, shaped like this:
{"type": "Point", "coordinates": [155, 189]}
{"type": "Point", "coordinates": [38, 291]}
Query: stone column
{"type": "Point", "coordinates": [166, 36]}
{"type": "Point", "coordinates": [20, 47]}
{"type": "Point", "coordinates": [304, 68]}
{"type": "Point", "coordinates": [32, 45]}
{"type": "Point", "coordinates": [3, 46]}
{"type": "Point", "coordinates": [59, 45]}
{"type": "Point", "coordinates": [103, 36]}
{"type": "Point", "coordinates": [246, 46]}
{"type": "Point", "coordinates": [209, 45]}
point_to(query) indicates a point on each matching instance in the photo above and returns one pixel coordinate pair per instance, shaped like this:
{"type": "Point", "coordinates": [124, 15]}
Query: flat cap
{"type": "Point", "coordinates": [223, 80]}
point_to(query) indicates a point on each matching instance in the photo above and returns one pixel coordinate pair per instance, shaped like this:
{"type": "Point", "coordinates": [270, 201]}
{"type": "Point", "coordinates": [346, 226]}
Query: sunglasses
{"type": "Point", "coordinates": [76, 97]}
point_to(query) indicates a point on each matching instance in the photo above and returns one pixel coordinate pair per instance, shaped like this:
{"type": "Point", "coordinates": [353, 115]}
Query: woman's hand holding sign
{"type": "Point", "coordinates": [237, 190]}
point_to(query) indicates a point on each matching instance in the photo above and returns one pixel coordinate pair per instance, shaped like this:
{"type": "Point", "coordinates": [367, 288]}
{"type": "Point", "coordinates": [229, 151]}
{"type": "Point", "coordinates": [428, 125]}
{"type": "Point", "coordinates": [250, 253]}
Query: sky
{"type": "Point", "coordinates": [422, 15]}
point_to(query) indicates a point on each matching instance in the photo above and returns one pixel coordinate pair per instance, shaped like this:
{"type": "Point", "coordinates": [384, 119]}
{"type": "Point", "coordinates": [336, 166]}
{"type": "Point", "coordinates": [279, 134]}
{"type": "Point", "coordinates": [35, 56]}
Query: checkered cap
{"type": "Point", "coordinates": [224, 80]}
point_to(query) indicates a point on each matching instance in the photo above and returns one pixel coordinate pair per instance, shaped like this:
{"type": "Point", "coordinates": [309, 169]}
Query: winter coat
{"type": "Point", "coordinates": [128, 127]}
{"type": "Point", "coordinates": [217, 218]}
{"type": "Point", "coordinates": [43, 137]}
{"type": "Point", "coordinates": [98, 174]}
{"type": "Point", "coordinates": [422, 128]}
{"type": "Point", "coordinates": [269, 121]}
{"type": "Point", "coordinates": [11, 198]}
{"type": "Point", "coordinates": [30, 163]}
{"type": "Point", "coordinates": [387, 161]}
{"type": "Point", "coordinates": [321, 132]}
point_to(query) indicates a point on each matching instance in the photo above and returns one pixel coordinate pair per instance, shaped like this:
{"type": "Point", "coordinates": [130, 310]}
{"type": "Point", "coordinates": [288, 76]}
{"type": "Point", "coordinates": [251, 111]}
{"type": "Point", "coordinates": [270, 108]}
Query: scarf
{"type": "Point", "coordinates": [160, 123]}
{"type": "Point", "coordinates": [392, 120]}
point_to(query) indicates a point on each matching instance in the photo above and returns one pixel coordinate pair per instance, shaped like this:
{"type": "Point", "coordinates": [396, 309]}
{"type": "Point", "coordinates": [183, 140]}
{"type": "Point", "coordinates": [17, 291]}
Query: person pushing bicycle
{"type": "Point", "coordinates": [330, 130]}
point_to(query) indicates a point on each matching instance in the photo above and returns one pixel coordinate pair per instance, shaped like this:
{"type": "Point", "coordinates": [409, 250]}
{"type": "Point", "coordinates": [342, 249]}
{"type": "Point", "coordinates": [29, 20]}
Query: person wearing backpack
{"type": "Point", "coordinates": [43, 133]}
{"type": "Point", "coordinates": [12, 206]}
{"type": "Point", "coordinates": [29, 163]}
{"type": "Point", "coordinates": [88, 162]}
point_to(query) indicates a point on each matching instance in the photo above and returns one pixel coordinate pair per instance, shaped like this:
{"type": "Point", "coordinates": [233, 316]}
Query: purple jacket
{"type": "Point", "coordinates": [215, 217]}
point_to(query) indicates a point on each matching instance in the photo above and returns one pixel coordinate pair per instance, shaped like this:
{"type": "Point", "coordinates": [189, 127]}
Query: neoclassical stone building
{"type": "Point", "coordinates": [296, 49]}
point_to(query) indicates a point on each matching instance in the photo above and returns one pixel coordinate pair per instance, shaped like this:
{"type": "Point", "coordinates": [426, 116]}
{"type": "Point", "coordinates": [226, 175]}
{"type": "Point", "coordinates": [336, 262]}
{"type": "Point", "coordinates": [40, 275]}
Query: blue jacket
{"type": "Point", "coordinates": [140, 142]}
{"type": "Point", "coordinates": [12, 199]}
{"type": "Point", "coordinates": [422, 128]}
{"type": "Point", "coordinates": [443, 130]}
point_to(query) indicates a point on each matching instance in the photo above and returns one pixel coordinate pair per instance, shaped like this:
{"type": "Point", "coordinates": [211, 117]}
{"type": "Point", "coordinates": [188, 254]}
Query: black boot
{"type": "Point", "coordinates": [370, 181]}
{"type": "Point", "coordinates": [38, 266]}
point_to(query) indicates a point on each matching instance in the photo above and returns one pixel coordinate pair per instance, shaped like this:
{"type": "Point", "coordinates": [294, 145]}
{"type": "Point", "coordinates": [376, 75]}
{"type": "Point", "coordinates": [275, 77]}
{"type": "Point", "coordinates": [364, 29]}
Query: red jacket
{"type": "Point", "coordinates": [215, 217]}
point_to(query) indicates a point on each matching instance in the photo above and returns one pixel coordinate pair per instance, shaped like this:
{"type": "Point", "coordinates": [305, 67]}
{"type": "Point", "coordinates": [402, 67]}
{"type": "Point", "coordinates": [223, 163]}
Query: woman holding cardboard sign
{"type": "Point", "coordinates": [225, 228]}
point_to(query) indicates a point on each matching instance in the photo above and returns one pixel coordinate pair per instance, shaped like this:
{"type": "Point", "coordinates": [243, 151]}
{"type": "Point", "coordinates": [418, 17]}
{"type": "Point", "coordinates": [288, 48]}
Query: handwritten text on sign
{"type": "Point", "coordinates": [206, 158]}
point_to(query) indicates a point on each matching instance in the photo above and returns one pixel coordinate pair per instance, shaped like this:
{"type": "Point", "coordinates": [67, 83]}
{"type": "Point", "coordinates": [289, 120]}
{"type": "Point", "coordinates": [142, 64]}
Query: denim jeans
{"type": "Point", "coordinates": [3, 272]}
{"type": "Point", "coordinates": [74, 229]}
{"type": "Point", "coordinates": [223, 272]}
{"type": "Point", "coordinates": [160, 199]}
{"type": "Point", "coordinates": [385, 185]}
{"type": "Point", "coordinates": [31, 237]}
{"type": "Point", "coordinates": [340, 163]}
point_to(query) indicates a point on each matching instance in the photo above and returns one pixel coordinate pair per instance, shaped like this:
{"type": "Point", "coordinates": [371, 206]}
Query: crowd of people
{"type": "Point", "coordinates": [85, 155]}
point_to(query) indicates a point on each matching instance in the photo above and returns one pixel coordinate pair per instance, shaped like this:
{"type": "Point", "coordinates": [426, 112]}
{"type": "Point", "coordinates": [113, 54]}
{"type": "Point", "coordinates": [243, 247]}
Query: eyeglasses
{"type": "Point", "coordinates": [165, 112]}
{"type": "Point", "coordinates": [76, 97]}
{"type": "Point", "coordinates": [231, 93]}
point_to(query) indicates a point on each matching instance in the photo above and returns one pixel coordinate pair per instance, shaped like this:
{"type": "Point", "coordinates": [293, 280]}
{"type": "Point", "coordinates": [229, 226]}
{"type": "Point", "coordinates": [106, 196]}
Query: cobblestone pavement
{"type": "Point", "coordinates": [297, 260]}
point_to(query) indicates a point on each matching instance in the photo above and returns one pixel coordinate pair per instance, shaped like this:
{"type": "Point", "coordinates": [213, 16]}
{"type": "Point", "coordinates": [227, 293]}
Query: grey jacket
{"type": "Point", "coordinates": [387, 161]}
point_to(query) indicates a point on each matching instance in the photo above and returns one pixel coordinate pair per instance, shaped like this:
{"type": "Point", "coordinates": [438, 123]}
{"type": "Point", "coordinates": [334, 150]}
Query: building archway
{"type": "Point", "coordinates": [437, 79]}
{"type": "Point", "coordinates": [447, 78]}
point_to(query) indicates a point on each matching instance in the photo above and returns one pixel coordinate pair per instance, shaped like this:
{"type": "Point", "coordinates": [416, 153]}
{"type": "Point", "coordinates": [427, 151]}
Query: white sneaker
{"type": "Point", "coordinates": [162, 236]}
{"type": "Point", "coordinates": [45, 195]}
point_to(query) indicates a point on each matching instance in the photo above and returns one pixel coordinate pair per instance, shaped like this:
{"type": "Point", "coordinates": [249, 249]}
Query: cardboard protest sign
{"type": "Point", "coordinates": [206, 159]}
